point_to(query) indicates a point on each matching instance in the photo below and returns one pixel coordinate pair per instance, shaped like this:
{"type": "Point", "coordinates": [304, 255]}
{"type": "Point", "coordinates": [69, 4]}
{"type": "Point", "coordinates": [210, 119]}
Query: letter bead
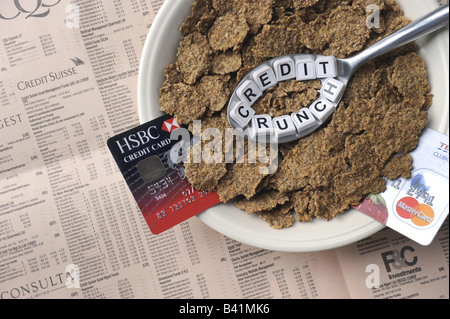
{"type": "Point", "coordinates": [332, 90]}
{"type": "Point", "coordinates": [284, 68]}
{"type": "Point", "coordinates": [262, 125]}
{"type": "Point", "coordinates": [248, 92]}
{"type": "Point", "coordinates": [265, 77]}
{"type": "Point", "coordinates": [284, 126]}
{"type": "Point", "coordinates": [326, 67]}
{"type": "Point", "coordinates": [306, 69]}
{"type": "Point", "coordinates": [303, 120]}
{"type": "Point", "coordinates": [322, 109]}
{"type": "Point", "coordinates": [242, 114]}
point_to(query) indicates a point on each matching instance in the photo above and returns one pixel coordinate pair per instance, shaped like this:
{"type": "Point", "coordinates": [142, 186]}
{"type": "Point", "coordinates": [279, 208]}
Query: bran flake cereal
{"type": "Point", "coordinates": [240, 179]}
{"type": "Point", "coordinates": [194, 59]}
{"type": "Point", "coordinates": [215, 88]}
{"type": "Point", "coordinates": [346, 31]}
{"type": "Point", "coordinates": [228, 32]}
{"type": "Point", "coordinates": [280, 217]}
{"type": "Point", "coordinates": [256, 12]}
{"type": "Point", "coordinates": [206, 176]}
{"type": "Point", "coordinates": [226, 62]}
{"type": "Point", "coordinates": [184, 101]}
{"type": "Point", "coordinates": [202, 17]}
{"type": "Point", "coordinates": [368, 139]}
{"type": "Point", "coordinates": [399, 166]}
{"type": "Point", "coordinates": [263, 201]}
{"type": "Point", "coordinates": [300, 4]}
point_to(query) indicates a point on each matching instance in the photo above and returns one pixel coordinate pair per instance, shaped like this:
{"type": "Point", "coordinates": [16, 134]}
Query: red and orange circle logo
{"type": "Point", "coordinates": [420, 214]}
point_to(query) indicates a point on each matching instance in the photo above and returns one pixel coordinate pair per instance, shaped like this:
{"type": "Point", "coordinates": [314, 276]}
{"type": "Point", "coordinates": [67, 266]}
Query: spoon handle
{"type": "Point", "coordinates": [415, 30]}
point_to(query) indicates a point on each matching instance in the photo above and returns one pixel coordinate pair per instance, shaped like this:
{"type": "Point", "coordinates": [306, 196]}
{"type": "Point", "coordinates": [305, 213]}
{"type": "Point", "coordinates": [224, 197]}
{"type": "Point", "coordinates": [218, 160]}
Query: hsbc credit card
{"type": "Point", "coordinates": [158, 184]}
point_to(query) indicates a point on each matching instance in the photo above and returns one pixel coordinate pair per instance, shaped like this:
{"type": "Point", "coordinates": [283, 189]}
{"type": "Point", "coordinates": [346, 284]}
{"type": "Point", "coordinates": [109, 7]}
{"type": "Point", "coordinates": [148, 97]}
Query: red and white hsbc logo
{"type": "Point", "coordinates": [170, 125]}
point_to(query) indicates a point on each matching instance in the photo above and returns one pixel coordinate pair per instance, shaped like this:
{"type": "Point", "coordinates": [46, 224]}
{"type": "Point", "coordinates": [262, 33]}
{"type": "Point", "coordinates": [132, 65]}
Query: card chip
{"type": "Point", "coordinates": [151, 169]}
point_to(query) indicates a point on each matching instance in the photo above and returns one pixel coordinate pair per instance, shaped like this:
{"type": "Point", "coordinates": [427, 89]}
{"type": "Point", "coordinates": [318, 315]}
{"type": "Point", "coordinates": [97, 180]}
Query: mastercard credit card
{"type": "Point", "coordinates": [157, 182]}
{"type": "Point", "coordinates": [416, 206]}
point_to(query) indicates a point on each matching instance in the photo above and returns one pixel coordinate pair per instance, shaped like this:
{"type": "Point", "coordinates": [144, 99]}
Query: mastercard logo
{"type": "Point", "coordinates": [420, 214]}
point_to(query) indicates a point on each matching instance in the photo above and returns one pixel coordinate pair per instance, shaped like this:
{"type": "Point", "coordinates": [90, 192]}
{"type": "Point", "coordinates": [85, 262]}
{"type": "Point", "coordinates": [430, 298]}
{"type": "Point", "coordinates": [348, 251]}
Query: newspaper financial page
{"type": "Point", "coordinates": [69, 227]}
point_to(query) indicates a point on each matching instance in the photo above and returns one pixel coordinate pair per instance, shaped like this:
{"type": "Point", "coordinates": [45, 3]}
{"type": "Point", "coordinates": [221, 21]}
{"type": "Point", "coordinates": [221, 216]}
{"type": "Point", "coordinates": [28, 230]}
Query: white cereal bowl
{"type": "Point", "coordinates": [160, 50]}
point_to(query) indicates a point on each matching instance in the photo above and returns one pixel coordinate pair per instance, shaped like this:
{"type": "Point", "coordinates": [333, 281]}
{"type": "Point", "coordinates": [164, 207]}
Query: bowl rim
{"type": "Point", "coordinates": [218, 223]}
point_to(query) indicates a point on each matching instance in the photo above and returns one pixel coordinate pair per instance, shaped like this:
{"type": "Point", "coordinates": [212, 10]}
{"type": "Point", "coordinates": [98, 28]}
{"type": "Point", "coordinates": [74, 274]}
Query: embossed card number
{"type": "Point", "coordinates": [32, 9]}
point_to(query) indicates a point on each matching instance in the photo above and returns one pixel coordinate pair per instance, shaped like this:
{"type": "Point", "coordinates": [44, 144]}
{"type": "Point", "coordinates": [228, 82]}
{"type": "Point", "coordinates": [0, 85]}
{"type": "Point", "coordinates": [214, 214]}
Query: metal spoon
{"type": "Point", "coordinates": [243, 119]}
